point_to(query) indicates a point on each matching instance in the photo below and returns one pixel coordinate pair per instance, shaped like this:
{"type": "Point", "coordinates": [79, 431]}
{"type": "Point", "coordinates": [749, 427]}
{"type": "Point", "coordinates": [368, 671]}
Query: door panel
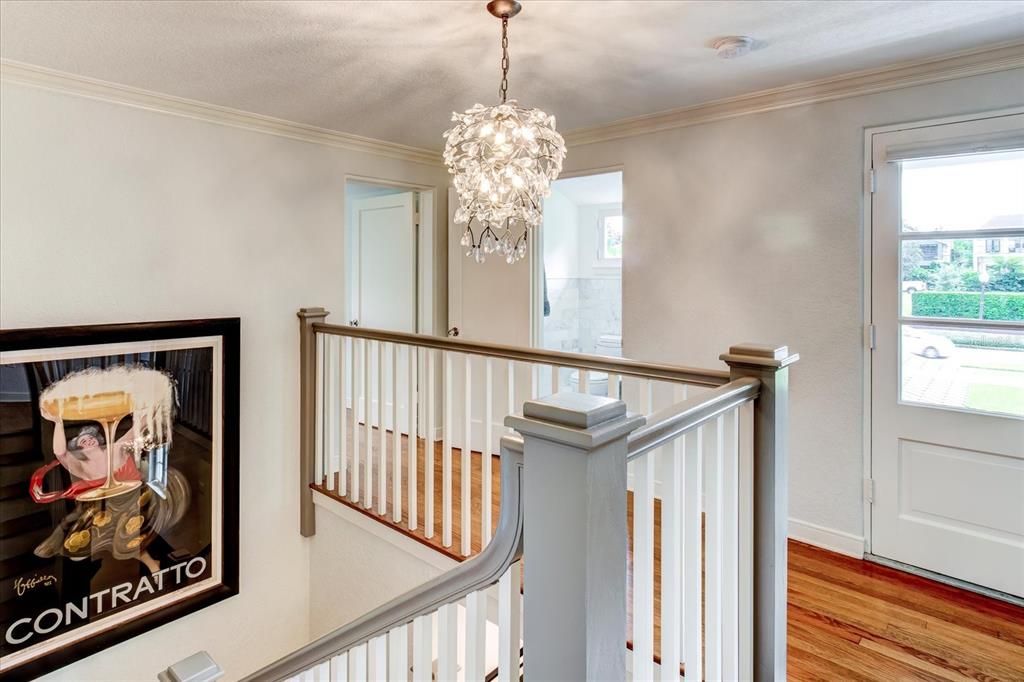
{"type": "Point", "coordinates": [385, 243]}
{"type": "Point", "coordinates": [947, 370]}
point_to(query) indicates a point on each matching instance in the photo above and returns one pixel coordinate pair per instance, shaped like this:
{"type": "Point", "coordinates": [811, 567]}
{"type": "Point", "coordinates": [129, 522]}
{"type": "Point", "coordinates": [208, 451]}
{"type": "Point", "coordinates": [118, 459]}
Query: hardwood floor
{"type": "Point", "coordinates": [848, 619]}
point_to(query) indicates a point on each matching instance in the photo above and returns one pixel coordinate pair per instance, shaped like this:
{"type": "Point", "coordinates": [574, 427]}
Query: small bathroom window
{"type": "Point", "coordinates": [609, 237]}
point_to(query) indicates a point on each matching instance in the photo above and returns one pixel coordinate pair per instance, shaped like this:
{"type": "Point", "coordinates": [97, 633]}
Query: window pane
{"type": "Point", "coordinates": [612, 237]}
{"type": "Point", "coordinates": [963, 278]}
{"type": "Point", "coordinates": [980, 371]}
{"type": "Point", "coordinates": [980, 191]}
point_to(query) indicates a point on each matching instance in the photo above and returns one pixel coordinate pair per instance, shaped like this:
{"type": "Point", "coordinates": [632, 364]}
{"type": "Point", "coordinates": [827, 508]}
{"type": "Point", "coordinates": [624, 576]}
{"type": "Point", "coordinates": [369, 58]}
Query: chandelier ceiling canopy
{"type": "Point", "coordinates": [503, 159]}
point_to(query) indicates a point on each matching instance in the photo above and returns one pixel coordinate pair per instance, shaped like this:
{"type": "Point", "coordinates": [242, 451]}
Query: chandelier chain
{"type": "Point", "coordinates": [503, 91]}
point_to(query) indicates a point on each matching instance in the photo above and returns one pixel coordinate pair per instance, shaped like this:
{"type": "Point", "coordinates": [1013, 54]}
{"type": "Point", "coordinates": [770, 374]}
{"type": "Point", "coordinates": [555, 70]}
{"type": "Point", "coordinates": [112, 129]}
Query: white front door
{"type": "Point", "coordinates": [384, 259]}
{"type": "Point", "coordinates": [947, 369]}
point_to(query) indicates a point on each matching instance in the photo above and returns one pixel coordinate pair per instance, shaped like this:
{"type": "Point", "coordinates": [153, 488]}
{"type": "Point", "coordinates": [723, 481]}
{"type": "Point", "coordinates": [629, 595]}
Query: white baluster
{"type": "Point", "coordinates": [358, 358]}
{"type": "Point", "coordinates": [446, 456]}
{"type": "Point", "coordinates": [584, 376]}
{"type": "Point", "coordinates": [360, 664]}
{"type": "Point", "coordinates": [398, 654]}
{"type": "Point", "coordinates": [730, 545]}
{"type": "Point", "coordinates": [382, 431]}
{"type": "Point", "coordinates": [643, 558]}
{"type": "Point", "coordinates": [318, 411]}
{"type": "Point", "coordinates": [368, 424]}
{"type": "Point", "coordinates": [554, 379]}
{"type": "Point", "coordinates": [339, 668]}
{"type": "Point", "coordinates": [486, 460]}
{"type": "Point", "coordinates": [511, 391]}
{"type": "Point", "coordinates": [447, 642]}
{"type": "Point", "coordinates": [672, 553]}
{"type": "Point", "coordinates": [428, 433]}
{"type": "Point", "coordinates": [396, 440]}
{"type": "Point", "coordinates": [414, 443]}
{"type": "Point", "coordinates": [613, 380]}
{"type": "Point", "coordinates": [476, 635]}
{"type": "Point", "coordinates": [745, 542]}
{"type": "Point", "coordinates": [343, 418]}
{"type": "Point", "coordinates": [423, 645]}
{"type": "Point", "coordinates": [330, 409]}
{"type": "Point", "coordinates": [466, 472]}
{"type": "Point", "coordinates": [379, 654]}
{"type": "Point", "coordinates": [713, 548]}
{"type": "Point", "coordinates": [509, 623]}
{"type": "Point", "coordinates": [693, 561]}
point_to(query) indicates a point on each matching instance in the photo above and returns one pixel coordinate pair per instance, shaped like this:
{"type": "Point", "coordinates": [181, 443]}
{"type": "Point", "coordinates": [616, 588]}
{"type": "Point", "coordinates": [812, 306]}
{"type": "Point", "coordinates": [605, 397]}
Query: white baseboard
{"type": "Point", "coordinates": [827, 538]}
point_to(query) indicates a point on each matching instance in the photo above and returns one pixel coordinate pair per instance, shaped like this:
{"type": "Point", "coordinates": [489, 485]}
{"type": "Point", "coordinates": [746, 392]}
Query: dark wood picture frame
{"type": "Point", "coordinates": [228, 329]}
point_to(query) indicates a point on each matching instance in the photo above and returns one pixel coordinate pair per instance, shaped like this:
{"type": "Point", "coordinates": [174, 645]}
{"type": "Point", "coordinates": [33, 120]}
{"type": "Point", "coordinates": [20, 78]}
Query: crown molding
{"type": "Point", "coordinates": [992, 58]}
{"type": "Point", "coordinates": [92, 88]}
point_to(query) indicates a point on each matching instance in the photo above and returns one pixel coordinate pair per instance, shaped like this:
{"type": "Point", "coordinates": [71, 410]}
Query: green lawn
{"type": "Point", "coordinates": [995, 398]}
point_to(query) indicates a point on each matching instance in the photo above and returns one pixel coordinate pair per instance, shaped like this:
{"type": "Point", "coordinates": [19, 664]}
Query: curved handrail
{"type": "Point", "coordinates": [670, 423]}
{"type": "Point", "coordinates": [602, 363]}
{"type": "Point", "coordinates": [505, 548]}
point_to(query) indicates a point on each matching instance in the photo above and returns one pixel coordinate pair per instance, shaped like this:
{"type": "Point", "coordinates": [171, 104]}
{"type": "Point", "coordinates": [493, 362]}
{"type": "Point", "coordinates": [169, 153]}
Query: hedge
{"type": "Point", "coordinates": [967, 305]}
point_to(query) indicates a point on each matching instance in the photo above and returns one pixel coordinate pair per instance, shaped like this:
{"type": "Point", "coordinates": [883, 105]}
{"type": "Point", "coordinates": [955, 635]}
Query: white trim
{"type": "Point", "coordinates": [827, 538]}
{"type": "Point", "coordinates": [92, 88]}
{"type": "Point", "coordinates": [385, 531]}
{"type": "Point", "coordinates": [989, 59]}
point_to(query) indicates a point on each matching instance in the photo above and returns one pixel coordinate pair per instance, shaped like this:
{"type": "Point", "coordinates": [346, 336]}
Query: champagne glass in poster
{"type": "Point", "coordinates": [119, 489]}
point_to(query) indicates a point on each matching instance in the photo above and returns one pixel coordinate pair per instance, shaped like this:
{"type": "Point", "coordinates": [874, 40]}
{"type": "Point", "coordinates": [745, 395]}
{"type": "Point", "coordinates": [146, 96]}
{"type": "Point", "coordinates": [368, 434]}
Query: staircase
{"type": "Point", "coordinates": [650, 517]}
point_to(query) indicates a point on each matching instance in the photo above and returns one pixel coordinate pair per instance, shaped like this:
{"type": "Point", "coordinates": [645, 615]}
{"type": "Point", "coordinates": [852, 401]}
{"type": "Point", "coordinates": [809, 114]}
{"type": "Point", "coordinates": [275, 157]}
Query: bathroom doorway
{"type": "Point", "coordinates": [579, 306]}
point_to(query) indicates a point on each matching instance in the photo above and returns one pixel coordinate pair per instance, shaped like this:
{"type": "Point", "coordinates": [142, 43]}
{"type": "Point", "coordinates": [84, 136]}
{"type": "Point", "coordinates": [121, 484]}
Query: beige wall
{"type": "Point", "coordinates": [116, 214]}
{"type": "Point", "coordinates": [751, 229]}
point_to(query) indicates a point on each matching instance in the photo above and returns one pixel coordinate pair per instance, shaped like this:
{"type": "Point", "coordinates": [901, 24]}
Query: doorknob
{"type": "Point", "coordinates": [454, 331]}
{"type": "Point", "coordinates": [354, 323]}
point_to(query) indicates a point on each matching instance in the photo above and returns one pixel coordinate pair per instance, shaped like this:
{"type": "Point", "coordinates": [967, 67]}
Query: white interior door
{"type": "Point", "coordinates": [384, 241]}
{"type": "Point", "coordinates": [947, 369]}
{"type": "Point", "coordinates": [489, 302]}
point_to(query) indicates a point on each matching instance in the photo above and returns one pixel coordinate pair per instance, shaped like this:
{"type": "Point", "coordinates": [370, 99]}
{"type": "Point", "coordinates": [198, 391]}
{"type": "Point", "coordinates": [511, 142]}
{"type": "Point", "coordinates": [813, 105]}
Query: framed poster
{"type": "Point", "coordinates": [119, 488]}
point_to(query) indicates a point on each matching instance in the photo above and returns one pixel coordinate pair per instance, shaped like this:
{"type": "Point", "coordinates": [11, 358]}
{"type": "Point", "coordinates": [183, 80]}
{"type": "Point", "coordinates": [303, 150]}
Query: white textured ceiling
{"type": "Point", "coordinates": [395, 70]}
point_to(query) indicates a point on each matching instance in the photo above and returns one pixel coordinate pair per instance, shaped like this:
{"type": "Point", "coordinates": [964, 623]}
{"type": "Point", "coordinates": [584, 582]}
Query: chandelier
{"type": "Point", "coordinates": [504, 158]}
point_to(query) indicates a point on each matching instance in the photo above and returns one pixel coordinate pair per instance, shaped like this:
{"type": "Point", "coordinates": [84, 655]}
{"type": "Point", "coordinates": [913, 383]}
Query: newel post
{"type": "Point", "coordinates": [770, 365]}
{"type": "Point", "coordinates": [307, 415]}
{"type": "Point", "coordinates": [576, 542]}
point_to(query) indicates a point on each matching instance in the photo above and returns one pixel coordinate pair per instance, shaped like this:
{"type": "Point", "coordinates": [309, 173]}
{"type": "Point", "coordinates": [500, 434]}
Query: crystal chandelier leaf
{"type": "Point", "coordinates": [503, 159]}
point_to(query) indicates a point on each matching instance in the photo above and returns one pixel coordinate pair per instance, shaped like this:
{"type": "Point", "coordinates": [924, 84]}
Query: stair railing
{"type": "Point", "coordinates": [701, 480]}
{"type": "Point", "coordinates": [405, 427]}
{"type": "Point", "coordinates": [402, 639]}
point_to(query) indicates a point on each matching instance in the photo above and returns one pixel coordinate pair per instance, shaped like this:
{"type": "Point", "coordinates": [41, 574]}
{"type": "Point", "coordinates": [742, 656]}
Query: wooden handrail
{"type": "Point", "coordinates": [602, 363]}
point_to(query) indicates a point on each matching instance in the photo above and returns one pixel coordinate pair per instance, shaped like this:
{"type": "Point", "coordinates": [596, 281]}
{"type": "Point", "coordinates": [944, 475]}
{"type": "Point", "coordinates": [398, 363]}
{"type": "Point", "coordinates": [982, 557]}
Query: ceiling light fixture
{"type": "Point", "coordinates": [504, 158]}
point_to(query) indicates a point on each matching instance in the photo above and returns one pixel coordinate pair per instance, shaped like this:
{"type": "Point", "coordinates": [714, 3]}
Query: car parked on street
{"type": "Point", "coordinates": [927, 344]}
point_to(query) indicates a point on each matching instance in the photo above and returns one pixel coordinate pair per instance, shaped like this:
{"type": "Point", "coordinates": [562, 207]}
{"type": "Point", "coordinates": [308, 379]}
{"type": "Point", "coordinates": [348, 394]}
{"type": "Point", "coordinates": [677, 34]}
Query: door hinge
{"type": "Point", "coordinates": [871, 180]}
{"type": "Point", "coordinates": [869, 336]}
{"type": "Point", "coordinates": [869, 490]}
{"type": "Point", "coordinates": [416, 218]}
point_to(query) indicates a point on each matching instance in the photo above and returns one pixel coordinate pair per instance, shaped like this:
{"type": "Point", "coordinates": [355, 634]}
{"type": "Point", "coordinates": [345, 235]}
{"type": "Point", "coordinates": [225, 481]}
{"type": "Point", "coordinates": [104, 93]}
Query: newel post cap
{"type": "Point", "coordinates": [576, 419]}
{"type": "Point", "coordinates": [312, 313]}
{"type": "Point", "coordinates": [759, 356]}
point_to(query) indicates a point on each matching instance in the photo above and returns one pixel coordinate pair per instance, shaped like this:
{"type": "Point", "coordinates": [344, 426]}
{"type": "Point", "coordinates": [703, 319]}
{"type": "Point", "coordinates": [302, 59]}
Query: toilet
{"type": "Point", "coordinates": [597, 382]}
